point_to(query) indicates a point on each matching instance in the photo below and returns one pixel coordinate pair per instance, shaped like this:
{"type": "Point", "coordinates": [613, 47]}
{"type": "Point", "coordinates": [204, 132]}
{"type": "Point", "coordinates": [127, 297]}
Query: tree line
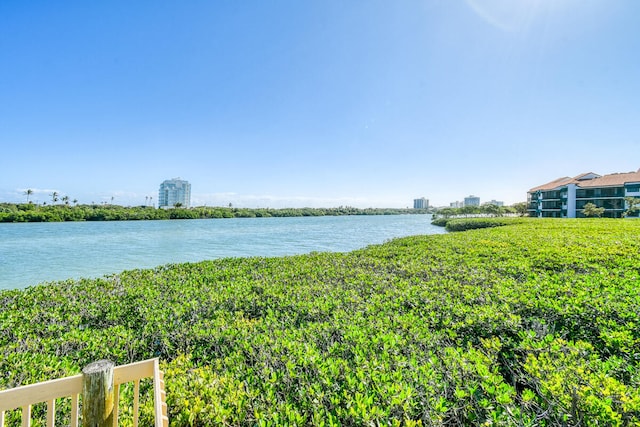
{"type": "Point", "coordinates": [519, 209]}
{"type": "Point", "coordinates": [29, 212]}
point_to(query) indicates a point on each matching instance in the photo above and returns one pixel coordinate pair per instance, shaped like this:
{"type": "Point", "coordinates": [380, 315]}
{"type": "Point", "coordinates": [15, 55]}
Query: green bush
{"type": "Point", "coordinates": [463, 224]}
{"type": "Point", "coordinates": [440, 222]}
{"type": "Point", "coordinates": [10, 212]}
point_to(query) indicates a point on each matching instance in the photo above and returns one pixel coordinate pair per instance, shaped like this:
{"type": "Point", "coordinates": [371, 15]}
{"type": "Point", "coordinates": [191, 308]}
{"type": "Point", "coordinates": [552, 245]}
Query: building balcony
{"type": "Point", "coordinates": [600, 198]}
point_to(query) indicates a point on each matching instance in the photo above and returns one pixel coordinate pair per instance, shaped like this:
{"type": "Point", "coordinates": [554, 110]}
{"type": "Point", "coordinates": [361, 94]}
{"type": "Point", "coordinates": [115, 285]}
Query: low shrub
{"type": "Point", "coordinates": [440, 222]}
{"type": "Point", "coordinates": [463, 224]}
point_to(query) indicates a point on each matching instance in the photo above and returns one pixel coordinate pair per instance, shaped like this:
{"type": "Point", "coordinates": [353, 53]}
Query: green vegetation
{"type": "Point", "coordinates": [464, 224]}
{"type": "Point", "coordinates": [440, 221]}
{"type": "Point", "coordinates": [28, 212]}
{"type": "Point", "coordinates": [536, 322]}
{"type": "Point", "coordinates": [633, 206]}
{"type": "Point", "coordinates": [591, 210]}
{"type": "Point", "coordinates": [519, 209]}
{"type": "Point", "coordinates": [473, 217]}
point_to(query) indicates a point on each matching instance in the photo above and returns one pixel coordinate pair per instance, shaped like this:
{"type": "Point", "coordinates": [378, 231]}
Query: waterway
{"type": "Point", "coordinates": [34, 253]}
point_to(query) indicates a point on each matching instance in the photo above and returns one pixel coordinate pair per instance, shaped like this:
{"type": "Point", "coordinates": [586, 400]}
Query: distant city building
{"type": "Point", "coordinates": [566, 197]}
{"type": "Point", "coordinates": [494, 202]}
{"type": "Point", "coordinates": [456, 204]}
{"type": "Point", "coordinates": [472, 201]}
{"type": "Point", "coordinates": [174, 191]}
{"type": "Point", "coordinates": [421, 203]}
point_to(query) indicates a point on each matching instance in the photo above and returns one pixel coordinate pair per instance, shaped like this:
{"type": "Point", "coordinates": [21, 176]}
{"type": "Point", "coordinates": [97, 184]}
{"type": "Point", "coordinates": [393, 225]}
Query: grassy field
{"type": "Point", "coordinates": [535, 322]}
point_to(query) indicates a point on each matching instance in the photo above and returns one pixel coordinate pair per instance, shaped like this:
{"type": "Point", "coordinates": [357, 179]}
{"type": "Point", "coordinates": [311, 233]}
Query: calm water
{"type": "Point", "coordinates": [40, 252]}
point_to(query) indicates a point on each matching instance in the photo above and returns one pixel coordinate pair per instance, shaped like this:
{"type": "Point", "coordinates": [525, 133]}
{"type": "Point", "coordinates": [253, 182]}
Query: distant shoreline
{"type": "Point", "coordinates": [29, 212]}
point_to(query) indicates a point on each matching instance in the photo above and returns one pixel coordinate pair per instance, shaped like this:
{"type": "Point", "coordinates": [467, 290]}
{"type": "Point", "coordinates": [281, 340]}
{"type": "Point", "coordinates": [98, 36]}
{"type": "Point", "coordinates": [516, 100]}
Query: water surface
{"type": "Point", "coordinates": [32, 253]}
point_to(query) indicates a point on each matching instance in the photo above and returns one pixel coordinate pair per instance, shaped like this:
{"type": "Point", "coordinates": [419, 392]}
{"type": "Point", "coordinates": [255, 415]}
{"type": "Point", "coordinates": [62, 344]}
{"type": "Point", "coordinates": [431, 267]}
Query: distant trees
{"type": "Point", "coordinates": [471, 210]}
{"type": "Point", "coordinates": [27, 212]}
{"type": "Point", "coordinates": [591, 210]}
{"type": "Point", "coordinates": [28, 193]}
{"type": "Point", "coordinates": [55, 197]}
{"type": "Point", "coordinates": [486, 210]}
{"type": "Point", "coordinates": [520, 208]}
{"type": "Point", "coordinates": [494, 210]}
{"type": "Point", "coordinates": [633, 205]}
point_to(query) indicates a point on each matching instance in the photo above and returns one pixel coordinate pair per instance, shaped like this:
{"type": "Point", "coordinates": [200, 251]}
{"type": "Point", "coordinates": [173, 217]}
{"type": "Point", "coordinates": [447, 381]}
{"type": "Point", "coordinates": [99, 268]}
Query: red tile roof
{"type": "Point", "coordinates": [614, 179]}
{"type": "Point", "coordinates": [553, 184]}
{"type": "Point", "coordinates": [585, 176]}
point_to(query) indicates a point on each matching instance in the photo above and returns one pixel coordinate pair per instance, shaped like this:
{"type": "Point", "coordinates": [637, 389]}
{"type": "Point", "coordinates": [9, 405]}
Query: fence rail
{"type": "Point", "coordinates": [48, 391]}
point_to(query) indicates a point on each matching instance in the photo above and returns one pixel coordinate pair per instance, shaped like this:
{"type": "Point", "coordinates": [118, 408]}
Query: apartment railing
{"type": "Point", "coordinates": [26, 396]}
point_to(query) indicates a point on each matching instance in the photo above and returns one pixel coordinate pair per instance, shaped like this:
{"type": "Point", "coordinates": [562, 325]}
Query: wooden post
{"type": "Point", "coordinates": [97, 394]}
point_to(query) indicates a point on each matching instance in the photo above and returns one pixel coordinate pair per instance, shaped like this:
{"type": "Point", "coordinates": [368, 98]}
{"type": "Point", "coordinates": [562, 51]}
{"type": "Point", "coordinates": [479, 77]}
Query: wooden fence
{"type": "Point", "coordinates": [76, 386]}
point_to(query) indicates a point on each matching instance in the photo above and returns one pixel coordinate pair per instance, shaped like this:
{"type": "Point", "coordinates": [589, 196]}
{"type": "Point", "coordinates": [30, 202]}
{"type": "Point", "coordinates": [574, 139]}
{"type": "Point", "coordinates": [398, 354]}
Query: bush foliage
{"type": "Point", "coordinates": [535, 323]}
{"type": "Point", "coordinates": [463, 224]}
{"type": "Point", "coordinates": [28, 212]}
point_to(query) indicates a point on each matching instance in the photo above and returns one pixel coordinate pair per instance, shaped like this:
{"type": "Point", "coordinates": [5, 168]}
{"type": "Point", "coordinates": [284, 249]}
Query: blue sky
{"type": "Point", "coordinates": [315, 103]}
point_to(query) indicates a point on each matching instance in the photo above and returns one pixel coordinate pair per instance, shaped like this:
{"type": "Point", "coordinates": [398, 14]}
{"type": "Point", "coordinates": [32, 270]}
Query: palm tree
{"type": "Point", "coordinates": [75, 202]}
{"type": "Point", "coordinates": [54, 196]}
{"type": "Point", "coordinates": [28, 193]}
{"type": "Point", "coordinates": [65, 199]}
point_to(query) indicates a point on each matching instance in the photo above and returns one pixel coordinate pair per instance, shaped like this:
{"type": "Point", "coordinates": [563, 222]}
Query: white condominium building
{"type": "Point", "coordinates": [566, 197]}
{"type": "Point", "coordinates": [472, 201]}
{"type": "Point", "coordinates": [174, 192]}
{"type": "Point", "coordinates": [421, 203]}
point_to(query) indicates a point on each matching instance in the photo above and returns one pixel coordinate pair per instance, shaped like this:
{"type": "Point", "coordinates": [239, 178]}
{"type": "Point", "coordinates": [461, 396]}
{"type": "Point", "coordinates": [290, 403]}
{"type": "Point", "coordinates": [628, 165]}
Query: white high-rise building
{"type": "Point", "coordinates": [421, 203]}
{"type": "Point", "coordinates": [174, 192]}
{"type": "Point", "coordinates": [472, 201]}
